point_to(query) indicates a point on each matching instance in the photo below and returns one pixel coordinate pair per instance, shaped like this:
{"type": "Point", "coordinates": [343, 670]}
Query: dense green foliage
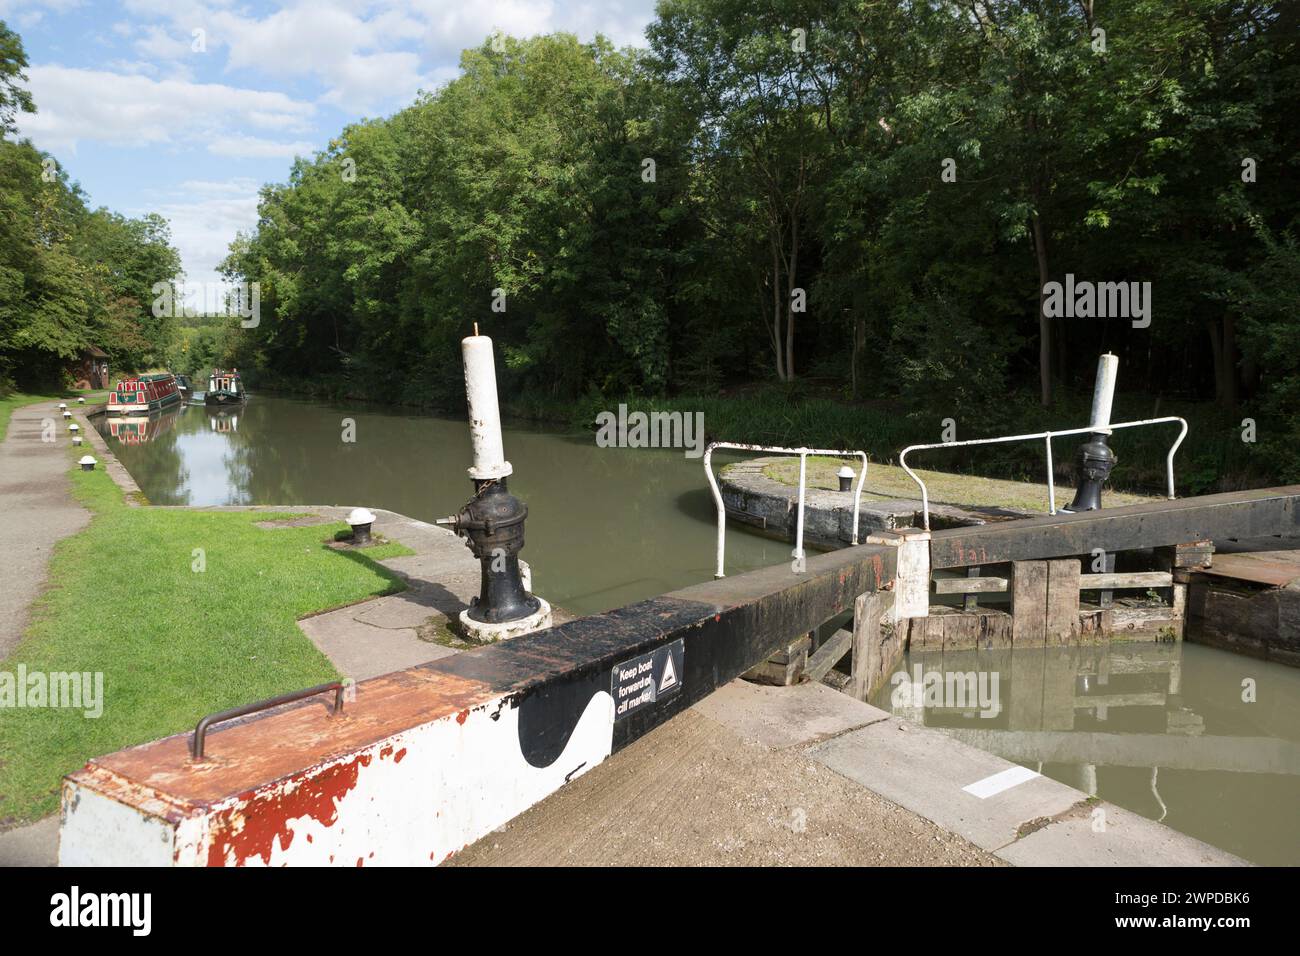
{"type": "Point", "coordinates": [200, 343]}
{"type": "Point", "coordinates": [798, 224]}
{"type": "Point", "coordinates": [70, 277]}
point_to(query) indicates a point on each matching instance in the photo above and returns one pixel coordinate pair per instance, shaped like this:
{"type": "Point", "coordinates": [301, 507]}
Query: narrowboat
{"type": "Point", "coordinates": [144, 394]}
{"type": "Point", "coordinates": [185, 385]}
{"type": "Point", "coordinates": [224, 388]}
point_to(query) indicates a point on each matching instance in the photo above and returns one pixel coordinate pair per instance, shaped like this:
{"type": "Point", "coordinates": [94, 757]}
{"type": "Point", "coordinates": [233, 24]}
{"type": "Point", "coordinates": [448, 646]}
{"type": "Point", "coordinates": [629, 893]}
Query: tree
{"type": "Point", "coordinates": [14, 98]}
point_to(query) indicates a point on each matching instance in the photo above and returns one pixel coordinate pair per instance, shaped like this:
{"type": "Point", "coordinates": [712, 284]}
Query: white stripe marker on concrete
{"type": "Point", "coordinates": [1004, 780]}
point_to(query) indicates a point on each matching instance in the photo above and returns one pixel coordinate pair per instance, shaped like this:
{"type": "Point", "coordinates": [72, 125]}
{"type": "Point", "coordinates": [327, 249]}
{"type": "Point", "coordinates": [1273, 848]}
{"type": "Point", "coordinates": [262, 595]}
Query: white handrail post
{"type": "Point", "coordinates": [1051, 484]}
{"type": "Point", "coordinates": [925, 492]}
{"type": "Point", "coordinates": [857, 495]}
{"type": "Point", "coordinates": [803, 471]}
{"type": "Point", "coordinates": [722, 511]}
{"type": "Point", "coordinates": [1169, 461]}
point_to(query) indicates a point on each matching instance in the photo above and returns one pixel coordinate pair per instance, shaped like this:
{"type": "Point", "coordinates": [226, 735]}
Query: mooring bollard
{"type": "Point", "coordinates": [87, 463]}
{"type": "Point", "coordinates": [360, 519]}
{"type": "Point", "coordinates": [1096, 459]}
{"type": "Point", "coordinates": [492, 522]}
{"type": "Point", "coordinates": [845, 475]}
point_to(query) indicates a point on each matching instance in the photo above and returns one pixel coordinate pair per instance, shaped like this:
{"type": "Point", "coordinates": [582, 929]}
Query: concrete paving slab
{"type": "Point", "coordinates": [1107, 835]}
{"type": "Point", "coordinates": [925, 771]}
{"type": "Point", "coordinates": [361, 651]}
{"type": "Point", "coordinates": [408, 609]}
{"type": "Point", "coordinates": [779, 717]}
{"type": "Point", "coordinates": [36, 844]}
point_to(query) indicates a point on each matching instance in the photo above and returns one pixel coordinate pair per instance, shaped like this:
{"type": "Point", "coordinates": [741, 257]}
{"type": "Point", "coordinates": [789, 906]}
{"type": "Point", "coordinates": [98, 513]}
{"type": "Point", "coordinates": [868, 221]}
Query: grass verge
{"type": "Point", "coordinates": [127, 600]}
{"type": "Point", "coordinates": [18, 399]}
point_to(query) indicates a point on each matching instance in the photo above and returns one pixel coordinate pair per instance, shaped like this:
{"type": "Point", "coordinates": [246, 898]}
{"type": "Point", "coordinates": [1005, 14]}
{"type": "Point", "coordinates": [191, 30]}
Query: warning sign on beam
{"type": "Point", "coordinates": [648, 678]}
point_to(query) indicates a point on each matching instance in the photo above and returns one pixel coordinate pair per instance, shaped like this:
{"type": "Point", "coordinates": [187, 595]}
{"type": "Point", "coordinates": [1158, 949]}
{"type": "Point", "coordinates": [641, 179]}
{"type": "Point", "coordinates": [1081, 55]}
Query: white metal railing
{"type": "Point", "coordinates": [1047, 439]}
{"type": "Point", "coordinates": [803, 454]}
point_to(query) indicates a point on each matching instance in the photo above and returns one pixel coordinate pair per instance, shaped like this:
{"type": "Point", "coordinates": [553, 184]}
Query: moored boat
{"type": "Point", "coordinates": [144, 394]}
{"type": "Point", "coordinates": [225, 388]}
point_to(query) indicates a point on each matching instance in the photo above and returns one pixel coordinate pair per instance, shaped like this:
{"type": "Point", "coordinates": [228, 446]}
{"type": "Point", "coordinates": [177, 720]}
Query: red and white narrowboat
{"type": "Point", "coordinates": [144, 394]}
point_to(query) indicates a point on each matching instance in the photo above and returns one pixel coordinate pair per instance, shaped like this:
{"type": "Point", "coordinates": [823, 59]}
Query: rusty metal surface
{"type": "Point", "coordinates": [1272, 568]}
{"type": "Point", "coordinates": [201, 729]}
{"type": "Point", "coordinates": [276, 745]}
{"type": "Point", "coordinates": [1146, 525]}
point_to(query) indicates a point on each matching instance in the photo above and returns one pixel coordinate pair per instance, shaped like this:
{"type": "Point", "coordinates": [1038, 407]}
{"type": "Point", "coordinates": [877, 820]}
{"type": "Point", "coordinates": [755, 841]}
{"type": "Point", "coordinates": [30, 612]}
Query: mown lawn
{"type": "Point", "coordinates": [172, 643]}
{"type": "Point", "coordinates": [890, 481]}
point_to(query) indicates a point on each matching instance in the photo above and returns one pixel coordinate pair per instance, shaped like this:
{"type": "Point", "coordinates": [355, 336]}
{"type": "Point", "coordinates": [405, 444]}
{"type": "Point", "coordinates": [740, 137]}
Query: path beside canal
{"type": "Point", "coordinates": [39, 511]}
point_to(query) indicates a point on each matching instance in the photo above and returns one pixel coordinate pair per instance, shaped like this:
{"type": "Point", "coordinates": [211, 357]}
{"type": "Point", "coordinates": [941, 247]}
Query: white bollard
{"type": "Point", "coordinates": [1103, 393]}
{"type": "Point", "coordinates": [484, 413]}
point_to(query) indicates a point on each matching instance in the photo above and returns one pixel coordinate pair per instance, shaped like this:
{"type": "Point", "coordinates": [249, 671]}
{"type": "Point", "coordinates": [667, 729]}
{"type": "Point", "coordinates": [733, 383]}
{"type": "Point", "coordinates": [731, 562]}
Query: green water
{"type": "Point", "coordinates": [606, 526]}
{"type": "Point", "coordinates": [1167, 730]}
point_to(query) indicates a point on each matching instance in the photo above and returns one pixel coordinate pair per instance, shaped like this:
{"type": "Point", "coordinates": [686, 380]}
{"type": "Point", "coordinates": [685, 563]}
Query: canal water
{"type": "Point", "coordinates": [606, 526]}
{"type": "Point", "coordinates": [1203, 740]}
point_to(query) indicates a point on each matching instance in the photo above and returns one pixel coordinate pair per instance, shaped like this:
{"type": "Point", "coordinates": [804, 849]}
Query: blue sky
{"type": "Point", "coordinates": [186, 108]}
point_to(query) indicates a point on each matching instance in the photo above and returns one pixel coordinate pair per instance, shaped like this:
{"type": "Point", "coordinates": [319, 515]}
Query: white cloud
{"type": "Point", "coordinates": [360, 82]}
{"type": "Point", "coordinates": [157, 42]}
{"type": "Point", "coordinates": [455, 25]}
{"type": "Point", "coordinates": [202, 229]}
{"type": "Point", "coordinates": [98, 106]}
{"type": "Point", "coordinates": [30, 12]}
{"type": "Point", "coordinates": [378, 54]}
{"type": "Point", "coordinates": [240, 186]}
{"type": "Point", "coordinates": [239, 145]}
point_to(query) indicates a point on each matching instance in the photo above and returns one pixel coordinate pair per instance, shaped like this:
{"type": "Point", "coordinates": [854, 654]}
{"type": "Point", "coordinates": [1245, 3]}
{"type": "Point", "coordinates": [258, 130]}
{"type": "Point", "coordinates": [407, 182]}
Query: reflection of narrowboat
{"type": "Point", "coordinates": [224, 388]}
{"type": "Point", "coordinates": [144, 394]}
{"type": "Point", "coordinates": [223, 424]}
{"type": "Point", "coordinates": [139, 429]}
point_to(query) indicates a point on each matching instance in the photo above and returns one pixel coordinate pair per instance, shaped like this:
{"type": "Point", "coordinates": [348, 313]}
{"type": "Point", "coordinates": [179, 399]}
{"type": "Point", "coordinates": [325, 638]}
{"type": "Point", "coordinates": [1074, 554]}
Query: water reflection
{"type": "Point", "coordinates": [223, 422]}
{"type": "Point", "coordinates": [1206, 741]}
{"type": "Point", "coordinates": [606, 526]}
{"type": "Point", "coordinates": [139, 429]}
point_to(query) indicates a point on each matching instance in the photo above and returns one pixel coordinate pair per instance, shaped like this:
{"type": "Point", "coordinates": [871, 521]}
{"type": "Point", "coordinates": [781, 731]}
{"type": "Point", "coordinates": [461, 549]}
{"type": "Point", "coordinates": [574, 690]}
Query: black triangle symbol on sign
{"type": "Point", "coordinates": [670, 675]}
